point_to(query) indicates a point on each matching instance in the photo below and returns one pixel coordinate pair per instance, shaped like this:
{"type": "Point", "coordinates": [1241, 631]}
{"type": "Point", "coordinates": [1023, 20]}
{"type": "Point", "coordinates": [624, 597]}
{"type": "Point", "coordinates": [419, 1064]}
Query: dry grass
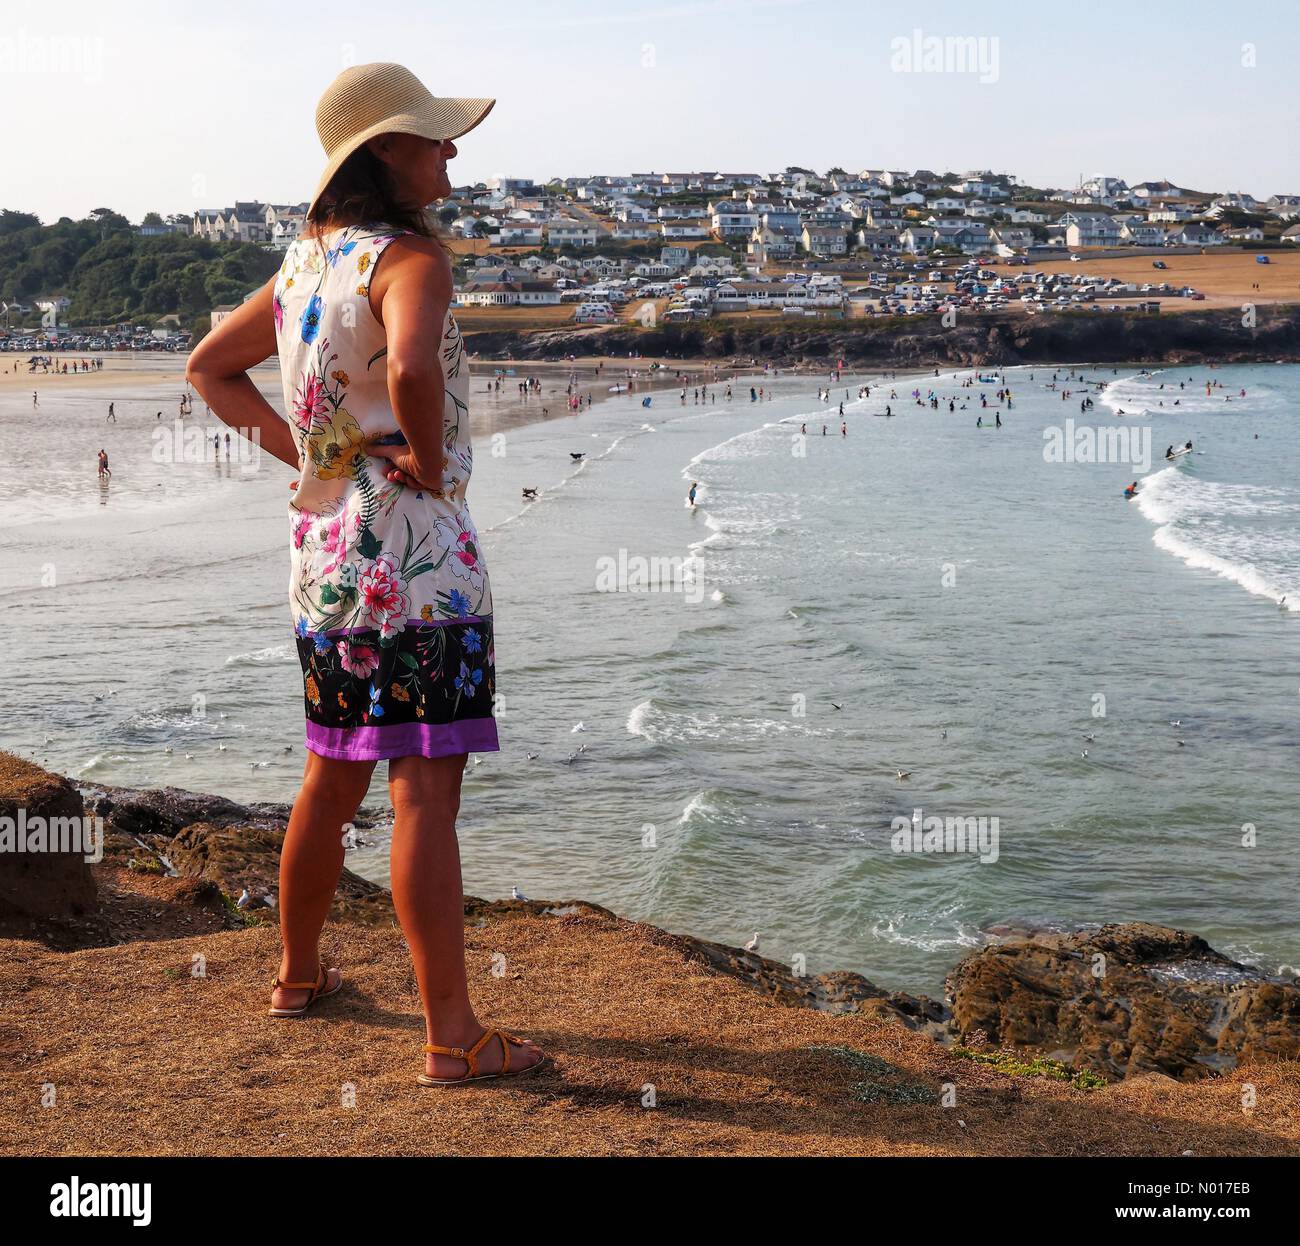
{"type": "Point", "coordinates": [1225, 278]}
{"type": "Point", "coordinates": [147, 1059]}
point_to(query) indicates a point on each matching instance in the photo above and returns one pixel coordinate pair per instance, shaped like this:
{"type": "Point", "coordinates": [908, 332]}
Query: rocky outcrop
{"type": "Point", "coordinates": [234, 846]}
{"type": "Point", "coordinates": [1119, 1000]}
{"type": "Point", "coordinates": [977, 340]}
{"type": "Point", "coordinates": [44, 875]}
{"type": "Point", "coordinates": [836, 992]}
{"type": "Point", "coordinates": [1125, 999]}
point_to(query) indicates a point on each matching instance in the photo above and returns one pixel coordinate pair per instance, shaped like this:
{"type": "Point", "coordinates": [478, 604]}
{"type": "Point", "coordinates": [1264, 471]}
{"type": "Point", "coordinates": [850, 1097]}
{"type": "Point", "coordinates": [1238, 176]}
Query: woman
{"type": "Point", "coordinates": [391, 603]}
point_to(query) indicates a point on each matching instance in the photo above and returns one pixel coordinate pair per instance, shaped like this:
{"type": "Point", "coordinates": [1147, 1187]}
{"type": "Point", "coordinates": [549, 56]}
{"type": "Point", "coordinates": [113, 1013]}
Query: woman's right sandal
{"type": "Point", "coordinates": [470, 1056]}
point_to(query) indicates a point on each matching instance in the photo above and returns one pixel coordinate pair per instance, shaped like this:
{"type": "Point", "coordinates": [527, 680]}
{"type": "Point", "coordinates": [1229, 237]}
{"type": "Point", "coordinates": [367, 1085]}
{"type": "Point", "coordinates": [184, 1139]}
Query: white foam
{"type": "Point", "coordinates": [260, 657]}
{"type": "Point", "coordinates": [1192, 524]}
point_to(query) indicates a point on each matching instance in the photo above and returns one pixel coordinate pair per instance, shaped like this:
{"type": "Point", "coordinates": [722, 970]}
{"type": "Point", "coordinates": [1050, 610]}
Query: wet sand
{"type": "Point", "coordinates": [142, 384]}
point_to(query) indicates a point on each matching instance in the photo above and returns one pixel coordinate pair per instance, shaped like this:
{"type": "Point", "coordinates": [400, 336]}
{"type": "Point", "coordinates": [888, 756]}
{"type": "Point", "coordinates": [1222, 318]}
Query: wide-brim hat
{"type": "Point", "coordinates": [380, 98]}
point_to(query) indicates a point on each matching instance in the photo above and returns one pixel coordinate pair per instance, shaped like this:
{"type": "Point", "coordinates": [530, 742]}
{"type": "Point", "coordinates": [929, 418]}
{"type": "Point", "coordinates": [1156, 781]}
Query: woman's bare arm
{"type": "Point", "coordinates": [410, 293]}
{"type": "Point", "coordinates": [218, 369]}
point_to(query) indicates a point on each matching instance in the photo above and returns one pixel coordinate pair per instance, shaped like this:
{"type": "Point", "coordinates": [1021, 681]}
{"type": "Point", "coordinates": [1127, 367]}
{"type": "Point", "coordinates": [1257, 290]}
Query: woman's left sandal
{"type": "Point", "coordinates": [320, 989]}
{"type": "Point", "coordinates": [470, 1056]}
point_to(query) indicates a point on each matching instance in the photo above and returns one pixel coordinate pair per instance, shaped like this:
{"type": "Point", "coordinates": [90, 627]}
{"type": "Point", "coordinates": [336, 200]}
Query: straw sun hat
{"type": "Point", "coordinates": [367, 100]}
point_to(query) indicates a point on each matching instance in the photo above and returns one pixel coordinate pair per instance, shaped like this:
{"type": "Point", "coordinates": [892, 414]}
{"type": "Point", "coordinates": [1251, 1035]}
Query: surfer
{"type": "Point", "coordinates": [1132, 490]}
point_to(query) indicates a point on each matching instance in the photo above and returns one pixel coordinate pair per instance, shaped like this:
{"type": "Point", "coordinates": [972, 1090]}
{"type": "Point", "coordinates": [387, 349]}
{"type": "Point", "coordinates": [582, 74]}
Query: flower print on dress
{"type": "Point", "coordinates": [468, 680]}
{"type": "Point", "coordinates": [382, 597]}
{"type": "Point", "coordinates": [311, 316]}
{"type": "Point", "coordinates": [357, 659]}
{"type": "Point", "coordinates": [338, 539]}
{"type": "Point", "coordinates": [334, 254]}
{"type": "Point", "coordinates": [311, 402]}
{"type": "Point", "coordinates": [457, 537]}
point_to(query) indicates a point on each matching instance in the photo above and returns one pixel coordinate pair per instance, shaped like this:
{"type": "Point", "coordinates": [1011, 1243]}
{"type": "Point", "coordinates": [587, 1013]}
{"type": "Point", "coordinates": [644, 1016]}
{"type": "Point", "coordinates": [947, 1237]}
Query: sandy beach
{"type": "Point", "coordinates": [141, 384]}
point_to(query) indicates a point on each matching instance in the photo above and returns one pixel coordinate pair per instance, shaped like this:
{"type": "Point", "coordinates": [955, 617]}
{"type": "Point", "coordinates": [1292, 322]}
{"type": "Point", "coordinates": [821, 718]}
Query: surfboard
{"type": "Point", "coordinates": [1177, 454]}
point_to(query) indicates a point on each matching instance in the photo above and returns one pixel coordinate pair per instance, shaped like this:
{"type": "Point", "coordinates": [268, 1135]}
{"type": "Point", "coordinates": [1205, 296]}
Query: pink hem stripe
{"type": "Point", "coordinates": [376, 743]}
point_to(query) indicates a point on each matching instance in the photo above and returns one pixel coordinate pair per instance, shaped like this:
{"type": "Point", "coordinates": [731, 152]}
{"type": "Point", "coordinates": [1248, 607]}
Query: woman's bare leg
{"type": "Point", "coordinates": [427, 894]}
{"type": "Point", "coordinates": [310, 862]}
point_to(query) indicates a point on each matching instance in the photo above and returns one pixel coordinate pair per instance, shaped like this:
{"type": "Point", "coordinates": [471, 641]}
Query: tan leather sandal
{"type": "Point", "coordinates": [470, 1056]}
{"type": "Point", "coordinates": [320, 989]}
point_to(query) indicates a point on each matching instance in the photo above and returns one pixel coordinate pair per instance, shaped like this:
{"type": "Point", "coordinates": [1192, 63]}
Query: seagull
{"type": "Point", "coordinates": [221, 748]}
{"type": "Point", "coordinates": [530, 494]}
{"type": "Point", "coordinates": [943, 735]}
{"type": "Point", "coordinates": [259, 765]}
{"type": "Point", "coordinates": [903, 774]}
{"type": "Point", "coordinates": [516, 894]}
{"type": "Point", "coordinates": [571, 758]}
{"type": "Point", "coordinates": [244, 899]}
{"type": "Point", "coordinates": [752, 945]}
{"type": "Point", "coordinates": [531, 756]}
{"type": "Point", "coordinates": [1084, 754]}
{"type": "Point", "coordinates": [1175, 722]}
{"type": "Point", "coordinates": [1089, 736]}
{"type": "Point", "coordinates": [189, 756]}
{"type": "Point", "coordinates": [168, 749]}
{"type": "Point", "coordinates": [579, 727]}
{"type": "Point", "coordinates": [1181, 743]}
{"type": "Point", "coordinates": [572, 455]}
{"type": "Point", "coordinates": [836, 707]}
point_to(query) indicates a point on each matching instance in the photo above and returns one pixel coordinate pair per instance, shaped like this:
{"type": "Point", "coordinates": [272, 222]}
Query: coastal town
{"type": "Point", "coordinates": [647, 248]}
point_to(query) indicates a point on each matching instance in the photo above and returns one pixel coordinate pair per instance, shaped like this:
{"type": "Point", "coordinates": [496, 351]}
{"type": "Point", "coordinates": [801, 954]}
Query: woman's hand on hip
{"type": "Point", "coordinates": [402, 469]}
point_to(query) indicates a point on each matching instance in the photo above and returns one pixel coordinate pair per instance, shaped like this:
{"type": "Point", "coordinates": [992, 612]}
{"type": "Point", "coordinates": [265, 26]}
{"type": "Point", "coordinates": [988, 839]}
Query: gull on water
{"type": "Point", "coordinates": [1089, 736]}
{"type": "Point", "coordinates": [531, 756]}
{"type": "Point", "coordinates": [903, 774]}
{"type": "Point", "coordinates": [1175, 722]}
{"type": "Point", "coordinates": [579, 727]}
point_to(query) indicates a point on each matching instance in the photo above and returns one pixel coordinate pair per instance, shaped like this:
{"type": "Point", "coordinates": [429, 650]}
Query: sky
{"type": "Point", "coordinates": [172, 106]}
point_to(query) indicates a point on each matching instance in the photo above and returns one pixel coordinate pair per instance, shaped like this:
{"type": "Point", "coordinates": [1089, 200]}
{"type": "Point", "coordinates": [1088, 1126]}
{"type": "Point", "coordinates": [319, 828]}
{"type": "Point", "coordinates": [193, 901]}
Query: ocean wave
{"type": "Point", "coordinates": [928, 933]}
{"type": "Point", "coordinates": [261, 657]}
{"type": "Point", "coordinates": [663, 726]}
{"type": "Point", "coordinates": [1247, 575]}
{"type": "Point", "coordinates": [1197, 521]}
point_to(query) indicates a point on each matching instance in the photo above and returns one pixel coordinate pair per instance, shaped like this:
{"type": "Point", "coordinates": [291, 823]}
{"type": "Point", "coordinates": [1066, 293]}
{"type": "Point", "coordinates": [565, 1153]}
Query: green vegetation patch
{"type": "Point", "coordinates": [1033, 1066]}
{"type": "Point", "coordinates": [901, 1092]}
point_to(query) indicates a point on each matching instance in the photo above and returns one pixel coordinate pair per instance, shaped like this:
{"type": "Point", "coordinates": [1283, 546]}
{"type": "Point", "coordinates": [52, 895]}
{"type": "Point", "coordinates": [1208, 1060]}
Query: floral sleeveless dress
{"type": "Point", "coordinates": [391, 602]}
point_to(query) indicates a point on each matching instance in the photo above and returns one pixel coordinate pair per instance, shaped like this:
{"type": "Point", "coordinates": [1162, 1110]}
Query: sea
{"type": "Point", "coordinates": [900, 681]}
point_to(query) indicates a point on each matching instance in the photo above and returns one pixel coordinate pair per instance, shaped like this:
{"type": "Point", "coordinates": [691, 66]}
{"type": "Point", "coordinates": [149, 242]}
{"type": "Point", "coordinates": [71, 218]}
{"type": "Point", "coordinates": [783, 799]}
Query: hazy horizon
{"type": "Point", "coordinates": [183, 106]}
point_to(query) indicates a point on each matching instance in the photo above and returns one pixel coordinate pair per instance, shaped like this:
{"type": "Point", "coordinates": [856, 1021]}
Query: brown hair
{"type": "Point", "coordinates": [362, 193]}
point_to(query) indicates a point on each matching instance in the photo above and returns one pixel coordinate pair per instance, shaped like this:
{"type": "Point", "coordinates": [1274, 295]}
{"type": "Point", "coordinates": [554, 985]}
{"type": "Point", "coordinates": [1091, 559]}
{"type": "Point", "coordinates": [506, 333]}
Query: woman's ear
{"type": "Point", "coordinates": [381, 146]}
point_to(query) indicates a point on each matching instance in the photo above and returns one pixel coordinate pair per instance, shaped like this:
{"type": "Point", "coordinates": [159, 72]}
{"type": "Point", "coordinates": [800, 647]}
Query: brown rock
{"type": "Point", "coordinates": [1166, 1002]}
{"type": "Point", "coordinates": [40, 884]}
